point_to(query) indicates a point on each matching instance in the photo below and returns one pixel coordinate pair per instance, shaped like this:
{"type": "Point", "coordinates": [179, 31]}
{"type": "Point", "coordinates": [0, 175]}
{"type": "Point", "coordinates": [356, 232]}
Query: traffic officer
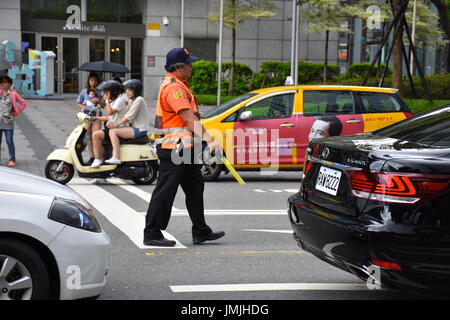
{"type": "Point", "coordinates": [177, 120]}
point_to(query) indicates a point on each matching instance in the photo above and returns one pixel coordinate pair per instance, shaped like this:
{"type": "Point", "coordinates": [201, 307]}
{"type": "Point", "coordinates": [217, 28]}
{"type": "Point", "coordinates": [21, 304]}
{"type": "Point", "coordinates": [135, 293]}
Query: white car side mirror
{"type": "Point", "coordinates": [246, 115]}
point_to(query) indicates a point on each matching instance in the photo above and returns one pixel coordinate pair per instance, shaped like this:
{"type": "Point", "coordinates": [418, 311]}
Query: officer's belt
{"type": "Point", "coordinates": [171, 130]}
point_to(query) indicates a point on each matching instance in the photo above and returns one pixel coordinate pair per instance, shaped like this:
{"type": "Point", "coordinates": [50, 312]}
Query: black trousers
{"type": "Point", "coordinates": [171, 175]}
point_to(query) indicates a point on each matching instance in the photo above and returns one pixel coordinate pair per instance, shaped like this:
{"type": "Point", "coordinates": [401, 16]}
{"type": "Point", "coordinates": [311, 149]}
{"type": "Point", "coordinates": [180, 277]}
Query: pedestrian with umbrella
{"type": "Point", "coordinates": [91, 84]}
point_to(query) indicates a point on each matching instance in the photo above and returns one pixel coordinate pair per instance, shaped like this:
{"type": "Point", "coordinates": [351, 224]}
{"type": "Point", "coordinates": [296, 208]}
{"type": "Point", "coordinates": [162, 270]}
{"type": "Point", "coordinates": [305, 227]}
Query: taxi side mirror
{"type": "Point", "coordinates": [246, 115]}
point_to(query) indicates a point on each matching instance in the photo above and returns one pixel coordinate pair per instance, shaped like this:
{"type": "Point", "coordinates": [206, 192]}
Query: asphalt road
{"type": "Point", "coordinates": [256, 260]}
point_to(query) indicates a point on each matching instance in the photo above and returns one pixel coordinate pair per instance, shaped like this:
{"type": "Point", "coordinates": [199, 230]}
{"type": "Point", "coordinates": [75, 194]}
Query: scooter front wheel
{"type": "Point", "coordinates": [59, 171]}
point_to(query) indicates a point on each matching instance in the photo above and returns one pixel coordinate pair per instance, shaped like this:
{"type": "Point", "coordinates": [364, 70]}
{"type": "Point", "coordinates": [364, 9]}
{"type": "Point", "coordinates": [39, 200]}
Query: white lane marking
{"type": "Point", "coordinates": [85, 181]}
{"type": "Point", "coordinates": [272, 231]}
{"type": "Point", "coordinates": [276, 190]}
{"type": "Point", "coordinates": [146, 196]}
{"type": "Point", "coordinates": [270, 287]}
{"type": "Point", "coordinates": [130, 222]}
{"type": "Point", "coordinates": [133, 189]}
{"type": "Point", "coordinates": [182, 213]}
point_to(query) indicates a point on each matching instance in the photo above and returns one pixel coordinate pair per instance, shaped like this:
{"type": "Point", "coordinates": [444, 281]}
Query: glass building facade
{"type": "Point", "coordinates": [80, 31]}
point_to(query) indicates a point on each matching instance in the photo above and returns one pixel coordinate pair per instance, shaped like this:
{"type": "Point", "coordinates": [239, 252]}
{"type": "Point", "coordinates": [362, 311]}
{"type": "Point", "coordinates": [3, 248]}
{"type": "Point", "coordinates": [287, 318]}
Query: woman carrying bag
{"type": "Point", "coordinates": [11, 105]}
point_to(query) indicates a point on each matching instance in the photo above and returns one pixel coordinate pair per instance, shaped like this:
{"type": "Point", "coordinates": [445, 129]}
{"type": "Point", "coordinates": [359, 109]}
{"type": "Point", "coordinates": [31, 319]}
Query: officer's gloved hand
{"type": "Point", "coordinates": [215, 148]}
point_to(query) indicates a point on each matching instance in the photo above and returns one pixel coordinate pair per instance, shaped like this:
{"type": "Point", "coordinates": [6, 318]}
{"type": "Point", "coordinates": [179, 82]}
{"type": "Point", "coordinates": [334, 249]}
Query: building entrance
{"type": "Point", "coordinates": [74, 50]}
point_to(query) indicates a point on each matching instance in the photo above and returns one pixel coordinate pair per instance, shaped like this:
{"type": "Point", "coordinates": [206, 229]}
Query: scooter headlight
{"type": "Point", "coordinates": [73, 214]}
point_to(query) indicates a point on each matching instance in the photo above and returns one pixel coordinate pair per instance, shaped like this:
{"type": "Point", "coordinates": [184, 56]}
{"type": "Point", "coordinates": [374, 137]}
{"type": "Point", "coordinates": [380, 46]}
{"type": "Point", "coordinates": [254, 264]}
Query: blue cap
{"type": "Point", "coordinates": [178, 55]}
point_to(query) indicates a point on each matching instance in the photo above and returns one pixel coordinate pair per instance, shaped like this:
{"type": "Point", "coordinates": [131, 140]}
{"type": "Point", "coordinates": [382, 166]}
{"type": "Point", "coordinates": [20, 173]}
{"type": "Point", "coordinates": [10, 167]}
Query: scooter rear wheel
{"type": "Point", "coordinates": [61, 176]}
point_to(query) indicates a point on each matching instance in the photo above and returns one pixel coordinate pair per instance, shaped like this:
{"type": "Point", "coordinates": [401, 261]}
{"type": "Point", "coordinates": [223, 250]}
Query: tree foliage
{"type": "Point", "coordinates": [235, 12]}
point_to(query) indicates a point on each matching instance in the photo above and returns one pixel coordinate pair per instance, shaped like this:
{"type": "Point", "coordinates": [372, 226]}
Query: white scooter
{"type": "Point", "coordinates": [139, 159]}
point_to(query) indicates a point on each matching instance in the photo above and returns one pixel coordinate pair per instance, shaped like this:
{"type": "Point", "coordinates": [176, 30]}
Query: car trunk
{"type": "Point", "coordinates": [327, 172]}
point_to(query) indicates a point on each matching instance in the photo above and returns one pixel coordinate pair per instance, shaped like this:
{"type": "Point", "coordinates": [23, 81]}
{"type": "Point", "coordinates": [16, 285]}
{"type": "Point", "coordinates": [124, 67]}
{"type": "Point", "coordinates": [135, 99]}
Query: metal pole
{"type": "Point", "coordinates": [182, 25]}
{"type": "Point", "coordinates": [296, 47]}
{"type": "Point", "coordinates": [84, 10]}
{"type": "Point", "coordinates": [219, 71]}
{"type": "Point", "coordinates": [413, 35]}
{"type": "Point", "coordinates": [293, 37]}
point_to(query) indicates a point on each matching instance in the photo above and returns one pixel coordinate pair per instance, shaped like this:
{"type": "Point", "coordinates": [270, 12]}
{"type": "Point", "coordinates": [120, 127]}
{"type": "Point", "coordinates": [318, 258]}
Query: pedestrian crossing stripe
{"type": "Point", "coordinates": [119, 214]}
{"type": "Point", "coordinates": [132, 222]}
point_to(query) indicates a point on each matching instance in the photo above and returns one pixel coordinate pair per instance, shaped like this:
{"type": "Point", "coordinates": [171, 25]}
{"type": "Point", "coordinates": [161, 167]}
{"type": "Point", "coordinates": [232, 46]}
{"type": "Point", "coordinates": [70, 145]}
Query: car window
{"type": "Point", "coordinates": [325, 102]}
{"type": "Point", "coordinates": [379, 103]}
{"type": "Point", "coordinates": [279, 106]}
{"type": "Point", "coordinates": [227, 105]}
{"type": "Point", "coordinates": [431, 128]}
{"type": "Point", "coordinates": [231, 118]}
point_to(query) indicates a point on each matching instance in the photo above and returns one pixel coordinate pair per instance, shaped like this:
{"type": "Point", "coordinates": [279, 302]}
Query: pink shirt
{"type": "Point", "coordinates": [17, 101]}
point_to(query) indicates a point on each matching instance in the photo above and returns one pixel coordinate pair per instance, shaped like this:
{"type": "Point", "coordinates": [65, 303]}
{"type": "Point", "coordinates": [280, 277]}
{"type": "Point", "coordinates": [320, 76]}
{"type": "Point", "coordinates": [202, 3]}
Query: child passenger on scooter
{"type": "Point", "coordinates": [116, 107]}
{"type": "Point", "coordinates": [138, 115]}
{"type": "Point", "coordinates": [89, 103]}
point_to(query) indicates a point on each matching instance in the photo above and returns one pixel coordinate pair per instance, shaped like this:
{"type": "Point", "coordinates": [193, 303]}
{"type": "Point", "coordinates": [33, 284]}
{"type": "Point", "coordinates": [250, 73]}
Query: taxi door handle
{"type": "Point", "coordinates": [287, 125]}
{"type": "Point", "coordinates": [353, 121]}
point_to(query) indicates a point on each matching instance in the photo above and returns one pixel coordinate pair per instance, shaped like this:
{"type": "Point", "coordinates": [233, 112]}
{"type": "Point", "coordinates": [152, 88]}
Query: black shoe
{"type": "Point", "coordinates": [210, 237]}
{"type": "Point", "coordinates": [162, 242]}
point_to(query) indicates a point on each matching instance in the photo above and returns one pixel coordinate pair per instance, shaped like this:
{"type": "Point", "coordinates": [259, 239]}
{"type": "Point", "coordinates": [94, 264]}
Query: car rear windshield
{"type": "Point", "coordinates": [227, 105]}
{"type": "Point", "coordinates": [431, 128]}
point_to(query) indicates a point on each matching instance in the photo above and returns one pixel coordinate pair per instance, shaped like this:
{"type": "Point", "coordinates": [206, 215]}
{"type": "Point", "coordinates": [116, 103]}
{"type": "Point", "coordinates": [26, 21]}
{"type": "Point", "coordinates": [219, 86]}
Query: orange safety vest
{"type": "Point", "coordinates": [170, 124]}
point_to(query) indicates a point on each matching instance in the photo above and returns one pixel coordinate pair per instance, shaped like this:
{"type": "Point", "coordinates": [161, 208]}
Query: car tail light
{"type": "Point", "coordinates": [306, 167]}
{"type": "Point", "coordinates": [396, 187]}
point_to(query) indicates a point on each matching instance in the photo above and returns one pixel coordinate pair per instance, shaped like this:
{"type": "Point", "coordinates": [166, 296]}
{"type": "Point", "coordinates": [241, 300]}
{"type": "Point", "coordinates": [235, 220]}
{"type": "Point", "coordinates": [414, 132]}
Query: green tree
{"type": "Point", "coordinates": [330, 16]}
{"type": "Point", "coordinates": [443, 7]}
{"type": "Point", "coordinates": [427, 30]}
{"type": "Point", "coordinates": [235, 12]}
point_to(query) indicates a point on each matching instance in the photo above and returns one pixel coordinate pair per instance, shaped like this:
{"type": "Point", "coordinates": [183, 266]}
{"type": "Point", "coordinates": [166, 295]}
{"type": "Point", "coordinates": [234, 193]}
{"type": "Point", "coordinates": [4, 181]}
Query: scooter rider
{"type": "Point", "coordinates": [116, 107]}
{"type": "Point", "coordinates": [138, 116]}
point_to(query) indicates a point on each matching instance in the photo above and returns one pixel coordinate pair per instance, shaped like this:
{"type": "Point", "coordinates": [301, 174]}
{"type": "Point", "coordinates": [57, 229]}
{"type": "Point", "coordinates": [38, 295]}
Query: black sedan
{"type": "Point", "coordinates": [378, 204]}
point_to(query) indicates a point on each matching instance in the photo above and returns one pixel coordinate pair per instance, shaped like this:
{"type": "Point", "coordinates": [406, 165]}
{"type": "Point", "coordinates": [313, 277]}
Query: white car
{"type": "Point", "coordinates": [51, 245]}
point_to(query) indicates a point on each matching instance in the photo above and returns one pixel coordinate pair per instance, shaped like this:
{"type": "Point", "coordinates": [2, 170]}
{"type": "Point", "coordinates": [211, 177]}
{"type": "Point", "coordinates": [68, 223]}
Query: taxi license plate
{"type": "Point", "coordinates": [328, 180]}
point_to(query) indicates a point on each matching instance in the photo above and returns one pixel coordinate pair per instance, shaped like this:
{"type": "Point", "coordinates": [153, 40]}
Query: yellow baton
{"type": "Point", "coordinates": [232, 170]}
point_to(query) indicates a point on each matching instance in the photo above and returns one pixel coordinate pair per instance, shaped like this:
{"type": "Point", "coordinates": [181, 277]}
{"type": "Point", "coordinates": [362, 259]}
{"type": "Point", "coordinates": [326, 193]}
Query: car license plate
{"type": "Point", "coordinates": [328, 180]}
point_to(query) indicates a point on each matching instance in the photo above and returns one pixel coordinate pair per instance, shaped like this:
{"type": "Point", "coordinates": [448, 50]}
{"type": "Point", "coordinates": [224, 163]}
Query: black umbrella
{"type": "Point", "coordinates": [104, 66]}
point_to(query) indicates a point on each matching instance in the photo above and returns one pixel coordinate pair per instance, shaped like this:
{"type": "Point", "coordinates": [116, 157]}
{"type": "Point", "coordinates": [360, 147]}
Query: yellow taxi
{"type": "Point", "coordinates": [271, 127]}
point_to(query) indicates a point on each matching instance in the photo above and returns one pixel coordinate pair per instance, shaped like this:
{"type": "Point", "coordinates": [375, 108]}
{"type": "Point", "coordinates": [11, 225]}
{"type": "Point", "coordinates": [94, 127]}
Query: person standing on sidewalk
{"type": "Point", "coordinates": [177, 119]}
{"type": "Point", "coordinates": [11, 105]}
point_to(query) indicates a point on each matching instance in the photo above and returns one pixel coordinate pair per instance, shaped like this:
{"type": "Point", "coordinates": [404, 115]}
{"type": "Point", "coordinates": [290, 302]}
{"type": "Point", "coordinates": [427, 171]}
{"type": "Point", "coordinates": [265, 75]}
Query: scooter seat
{"type": "Point", "coordinates": [142, 140]}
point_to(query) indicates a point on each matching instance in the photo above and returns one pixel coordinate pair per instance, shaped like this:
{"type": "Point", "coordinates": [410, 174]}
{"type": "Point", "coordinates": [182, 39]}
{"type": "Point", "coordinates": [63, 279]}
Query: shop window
{"type": "Point", "coordinates": [28, 42]}
{"type": "Point", "coordinates": [46, 9]}
{"type": "Point", "coordinates": [129, 11]}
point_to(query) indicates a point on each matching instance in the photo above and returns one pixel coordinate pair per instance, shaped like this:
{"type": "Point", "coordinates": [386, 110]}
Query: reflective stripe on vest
{"type": "Point", "coordinates": [170, 124]}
